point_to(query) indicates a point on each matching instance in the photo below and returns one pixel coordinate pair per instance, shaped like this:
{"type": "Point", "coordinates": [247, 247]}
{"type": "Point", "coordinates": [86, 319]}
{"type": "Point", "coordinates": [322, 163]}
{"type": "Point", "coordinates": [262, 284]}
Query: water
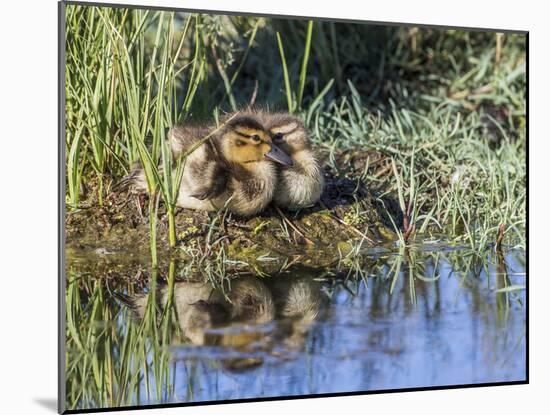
{"type": "Point", "coordinates": [431, 318]}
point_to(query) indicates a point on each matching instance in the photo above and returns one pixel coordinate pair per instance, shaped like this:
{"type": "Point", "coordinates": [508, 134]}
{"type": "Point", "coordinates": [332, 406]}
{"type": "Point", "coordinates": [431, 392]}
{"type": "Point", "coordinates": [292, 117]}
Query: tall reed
{"type": "Point", "coordinates": [294, 99]}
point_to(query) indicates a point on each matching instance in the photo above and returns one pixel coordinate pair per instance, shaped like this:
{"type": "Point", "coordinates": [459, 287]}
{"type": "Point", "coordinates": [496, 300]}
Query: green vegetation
{"type": "Point", "coordinates": [446, 109]}
{"type": "Point", "coordinates": [432, 119]}
{"type": "Point", "coordinates": [108, 365]}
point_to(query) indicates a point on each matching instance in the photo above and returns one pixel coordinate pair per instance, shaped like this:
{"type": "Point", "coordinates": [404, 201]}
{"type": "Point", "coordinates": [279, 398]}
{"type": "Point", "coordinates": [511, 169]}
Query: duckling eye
{"type": "Point", "coordinates": [278, 136]}
{"type": "Point", "coordinates": [256, 138]}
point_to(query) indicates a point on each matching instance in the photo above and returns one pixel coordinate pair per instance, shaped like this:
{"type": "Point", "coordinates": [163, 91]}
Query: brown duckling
{"type": "Point", "coordinates": [300, 185]}
{"type": "Point", "coordinates": [235, 168]}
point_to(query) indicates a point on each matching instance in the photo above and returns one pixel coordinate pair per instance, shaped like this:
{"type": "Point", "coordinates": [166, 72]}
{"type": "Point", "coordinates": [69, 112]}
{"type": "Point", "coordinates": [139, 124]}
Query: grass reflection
{"type": "Point", "coordinates": [131, 345]}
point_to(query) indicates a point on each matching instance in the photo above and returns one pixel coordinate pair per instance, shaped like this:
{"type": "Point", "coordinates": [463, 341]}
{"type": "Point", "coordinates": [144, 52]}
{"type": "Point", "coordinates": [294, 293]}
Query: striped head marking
{"type": "Point", "coordinates": [289, 134]}
{"type": "Point", "coordinates": [245, 141]}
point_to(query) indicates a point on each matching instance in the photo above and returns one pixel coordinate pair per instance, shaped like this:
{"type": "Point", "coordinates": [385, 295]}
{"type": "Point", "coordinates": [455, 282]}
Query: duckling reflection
{"type": "Point", "coordinates": [256, 318]}
{"type": "Point", "coordinates": [198, 307]}
{"type": "Point", "coordinates": [299, 303]}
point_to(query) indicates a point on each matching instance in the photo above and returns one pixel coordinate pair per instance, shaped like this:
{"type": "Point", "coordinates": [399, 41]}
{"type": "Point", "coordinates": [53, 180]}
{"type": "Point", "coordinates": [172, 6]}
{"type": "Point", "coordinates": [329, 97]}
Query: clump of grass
{"type": "Point", "coordinates": [442, 168]}
{"type": "Point", "coordinates": [131, 97]}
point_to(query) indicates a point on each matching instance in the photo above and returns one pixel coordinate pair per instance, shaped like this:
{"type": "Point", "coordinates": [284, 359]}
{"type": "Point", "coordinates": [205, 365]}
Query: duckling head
{"type": "Point", "coordinates": [244, 141]}
{"type": "Point", "coordinates": [288, 132]}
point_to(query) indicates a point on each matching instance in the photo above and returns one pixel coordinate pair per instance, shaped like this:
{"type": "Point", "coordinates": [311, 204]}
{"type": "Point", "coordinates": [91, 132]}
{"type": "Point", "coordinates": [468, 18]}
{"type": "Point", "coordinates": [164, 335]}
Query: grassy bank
{"type": "Point", "coordinates": [445, 109]}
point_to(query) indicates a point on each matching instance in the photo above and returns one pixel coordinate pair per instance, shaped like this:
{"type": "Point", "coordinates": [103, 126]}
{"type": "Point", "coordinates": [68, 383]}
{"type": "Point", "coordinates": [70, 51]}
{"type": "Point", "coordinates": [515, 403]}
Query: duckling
{"type": "Point", "coordinates": [300, 185]}
{"type": "Point", "coordinates": [235, 168]}
{"type": "Point", "coordinates": [252, 304]}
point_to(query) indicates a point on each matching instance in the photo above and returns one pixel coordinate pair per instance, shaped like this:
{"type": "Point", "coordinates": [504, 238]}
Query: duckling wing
{"type": "Point", "coordinates": [206, 193]}
{"type": "Point", "coordinates": [213, 180]}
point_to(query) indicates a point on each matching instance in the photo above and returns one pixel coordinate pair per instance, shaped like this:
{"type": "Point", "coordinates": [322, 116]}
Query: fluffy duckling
{"type": "Point", "coordinates": [300, 185]}
{"type": "Point", "coordinates": [235, 168]}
